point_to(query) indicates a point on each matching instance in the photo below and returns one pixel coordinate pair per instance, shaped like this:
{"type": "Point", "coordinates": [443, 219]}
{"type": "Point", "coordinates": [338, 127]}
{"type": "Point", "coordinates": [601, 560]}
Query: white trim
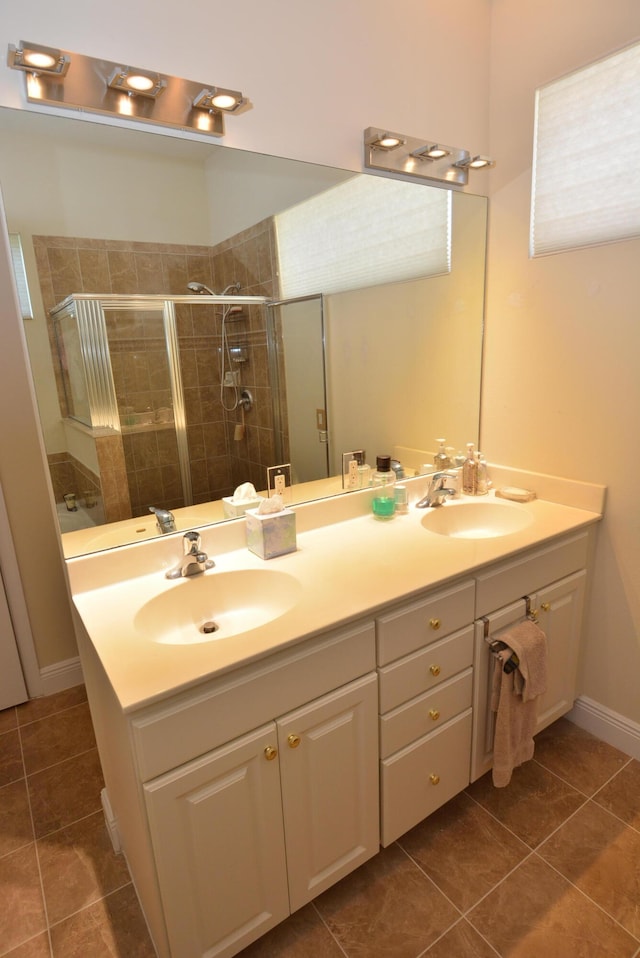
{"type": "Point", "coordinates": [609, 726]}
{"type": "Point", "coordinates": [61, 675]}
{"type": "Point", "coordinates": [18, 606]}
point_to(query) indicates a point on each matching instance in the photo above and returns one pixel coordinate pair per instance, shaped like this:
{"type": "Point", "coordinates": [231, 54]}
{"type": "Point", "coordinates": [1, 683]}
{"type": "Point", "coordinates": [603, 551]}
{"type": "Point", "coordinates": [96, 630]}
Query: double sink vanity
{"type": "Point", "coordinates": [265, 726]}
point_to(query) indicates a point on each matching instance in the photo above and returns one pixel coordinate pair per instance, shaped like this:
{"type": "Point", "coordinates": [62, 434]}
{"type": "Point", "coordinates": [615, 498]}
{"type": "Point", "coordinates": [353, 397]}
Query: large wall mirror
{"type": "Point", "coordinates": [120, 222]}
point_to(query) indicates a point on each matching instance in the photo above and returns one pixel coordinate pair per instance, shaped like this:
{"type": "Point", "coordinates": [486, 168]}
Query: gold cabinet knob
{"type": "Point", "coordinates": [270, 753]}
{"type": "Point", "coordinates": [434, 779]}
{"type": "Point", "coordinates": [293, 740]}
{"type": "Point", "coordinates": [435, 624]}
{"type": "Point", "coordinates": [545, 606]}
{"type": "Point", "coordinates": [434, 714]}
{"type": "Point", "coordinates": [434, 669]}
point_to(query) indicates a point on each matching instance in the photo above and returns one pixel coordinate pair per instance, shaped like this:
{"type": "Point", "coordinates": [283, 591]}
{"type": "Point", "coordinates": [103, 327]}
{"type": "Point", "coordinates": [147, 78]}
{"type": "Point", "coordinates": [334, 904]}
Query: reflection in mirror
{"type": "Point", "coordinates": [138, 213]}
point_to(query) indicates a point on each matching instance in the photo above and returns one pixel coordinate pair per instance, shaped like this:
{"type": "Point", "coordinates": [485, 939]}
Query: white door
{"type": "Point", "coordinates": [12, 686]}
{"type": "Point", "coordinates": [216, 827]}
{"type": "Point", "coordinates": [329, 773]}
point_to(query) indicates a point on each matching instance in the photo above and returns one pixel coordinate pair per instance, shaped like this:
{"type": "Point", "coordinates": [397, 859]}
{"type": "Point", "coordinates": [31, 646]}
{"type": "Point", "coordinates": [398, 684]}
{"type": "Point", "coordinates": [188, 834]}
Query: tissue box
{"type": "Point", "coordinates": [232, 510]}
{"type": "Point", "coordinates": [272, 534]}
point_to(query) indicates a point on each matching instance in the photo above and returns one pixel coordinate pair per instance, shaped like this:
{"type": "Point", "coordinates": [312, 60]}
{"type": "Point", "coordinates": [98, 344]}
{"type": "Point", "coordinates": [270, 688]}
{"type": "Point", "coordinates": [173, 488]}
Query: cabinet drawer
{"type": "Point", "coordinates": [196, 721]}
{"type": "Point", "coordinates": [424, 714]}
{"type": "Point", "coordinates": [425, 669]}
{"type": "Point", "coordinates": [511, 581]}
{"type": "Point", "coordinates": [422, 777]}
{"type": "Point", "coordinates": [413, 626]}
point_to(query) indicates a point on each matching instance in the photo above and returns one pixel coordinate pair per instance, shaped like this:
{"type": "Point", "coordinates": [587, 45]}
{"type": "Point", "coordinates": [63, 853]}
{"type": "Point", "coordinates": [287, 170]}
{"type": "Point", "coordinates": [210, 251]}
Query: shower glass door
{"type": "Point", "coordinates": [146, 377]}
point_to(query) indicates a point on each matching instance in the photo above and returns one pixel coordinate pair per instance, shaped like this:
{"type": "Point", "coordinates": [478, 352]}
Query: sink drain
{"type": "Point", "coordinates": [208, 627]}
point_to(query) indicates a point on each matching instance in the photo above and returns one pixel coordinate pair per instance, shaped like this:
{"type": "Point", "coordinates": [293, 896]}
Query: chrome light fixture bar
{"type": "Point", "coordinates": [423, 159]}
{"type": "Point", "coordinates": [76, 82]}
{"type": "Point", "coordinates": [39, 60]}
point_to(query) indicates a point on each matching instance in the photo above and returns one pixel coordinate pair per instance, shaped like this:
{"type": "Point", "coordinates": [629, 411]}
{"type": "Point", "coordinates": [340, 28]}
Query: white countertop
{"type": "Point", "coordinates": [346, 570]}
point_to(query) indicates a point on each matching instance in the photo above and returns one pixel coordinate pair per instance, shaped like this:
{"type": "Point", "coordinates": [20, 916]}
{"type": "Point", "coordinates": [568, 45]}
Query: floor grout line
{"type": "Point", "coordinates": [35, 845]}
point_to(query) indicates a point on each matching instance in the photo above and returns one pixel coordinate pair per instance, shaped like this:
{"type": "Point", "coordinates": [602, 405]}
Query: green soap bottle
{"type": "Point", "coordinates": [384, 481]}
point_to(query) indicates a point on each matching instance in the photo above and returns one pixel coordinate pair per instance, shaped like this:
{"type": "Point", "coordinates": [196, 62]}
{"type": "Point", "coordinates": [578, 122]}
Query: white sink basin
{"type": "Point", "coordinates": [216, 605]}
{"type": "Point", "coordinates": [476, 520]}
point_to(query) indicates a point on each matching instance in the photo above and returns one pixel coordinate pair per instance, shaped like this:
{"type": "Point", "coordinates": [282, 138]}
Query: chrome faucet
{"type": "Point", "coordinates": [195, 561]}
{"type": "Point", "coordinates": [437, 492]}
{"type": "Point", "coordinates": [165, 519]}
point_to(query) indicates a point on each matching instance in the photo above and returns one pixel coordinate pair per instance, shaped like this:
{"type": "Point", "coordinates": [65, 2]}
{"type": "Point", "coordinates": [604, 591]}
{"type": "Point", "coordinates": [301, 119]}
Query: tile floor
{"type": "Point", "coordinates": [548, 866]}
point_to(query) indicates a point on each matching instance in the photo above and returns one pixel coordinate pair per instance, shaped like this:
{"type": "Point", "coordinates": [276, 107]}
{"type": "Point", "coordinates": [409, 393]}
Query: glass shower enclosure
{"type": "Point", "coordinates": [151, 387]}
{"type": "Point", "coordinates": [130, 369]}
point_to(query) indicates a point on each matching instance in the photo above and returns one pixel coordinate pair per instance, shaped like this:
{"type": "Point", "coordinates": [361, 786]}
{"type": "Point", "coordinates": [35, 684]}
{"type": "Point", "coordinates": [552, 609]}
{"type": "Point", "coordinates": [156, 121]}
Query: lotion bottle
{"type": "Point", "coordinates": [470, 473]}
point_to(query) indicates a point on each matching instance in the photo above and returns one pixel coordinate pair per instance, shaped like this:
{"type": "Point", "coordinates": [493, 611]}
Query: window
{"type": "Point", "coordinates": [364, 232]}
{"type": "Point", "coordinates": [586, 157]}
{"type": "Point", "coordinates": [20, 275]}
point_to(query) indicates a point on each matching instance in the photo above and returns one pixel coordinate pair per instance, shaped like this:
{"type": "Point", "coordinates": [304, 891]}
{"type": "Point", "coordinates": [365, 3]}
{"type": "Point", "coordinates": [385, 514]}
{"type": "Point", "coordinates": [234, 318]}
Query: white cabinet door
{"type": "Point", "coordinates": [216, 826]}
{"type": "Point", "coordinates": [560, 616]}
{"type": "Point", "coordinates": [329, 771]}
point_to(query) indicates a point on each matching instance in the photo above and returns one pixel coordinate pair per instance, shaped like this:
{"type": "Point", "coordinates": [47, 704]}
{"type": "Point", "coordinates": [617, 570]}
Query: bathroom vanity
{"type": "Point", "coordinates": [248, 770]}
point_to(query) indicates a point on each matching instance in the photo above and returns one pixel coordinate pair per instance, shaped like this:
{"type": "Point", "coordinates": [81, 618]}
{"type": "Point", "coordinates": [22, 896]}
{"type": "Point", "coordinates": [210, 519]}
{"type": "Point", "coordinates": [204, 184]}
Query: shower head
{"type": "Point", "coordinates": [201, 288]}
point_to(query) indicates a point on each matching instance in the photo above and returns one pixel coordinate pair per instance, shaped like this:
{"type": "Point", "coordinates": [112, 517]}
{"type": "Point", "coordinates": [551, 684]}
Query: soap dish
{"type": "Point", "coordinates": [515, 494]}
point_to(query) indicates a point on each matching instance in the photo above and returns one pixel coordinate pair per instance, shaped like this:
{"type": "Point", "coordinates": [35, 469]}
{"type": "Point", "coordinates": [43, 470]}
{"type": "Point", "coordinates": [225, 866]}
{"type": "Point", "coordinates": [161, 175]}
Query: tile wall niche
{"type": "Point", "coordinates": [140, 467]}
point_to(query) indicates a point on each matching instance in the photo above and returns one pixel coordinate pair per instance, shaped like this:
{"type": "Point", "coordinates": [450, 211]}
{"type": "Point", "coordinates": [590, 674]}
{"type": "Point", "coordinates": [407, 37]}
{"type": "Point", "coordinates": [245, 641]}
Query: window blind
{"type": "Point", "coordinates": [364, 232]}
{"type": "Point", "coordinates": [586, 163]}
{"type": "Point", "coordinates": [20, 273]}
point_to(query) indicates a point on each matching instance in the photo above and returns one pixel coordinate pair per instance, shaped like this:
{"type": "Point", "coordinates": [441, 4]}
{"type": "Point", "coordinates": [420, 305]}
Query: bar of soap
{"type": "Point", "coordinates": [515, 494]}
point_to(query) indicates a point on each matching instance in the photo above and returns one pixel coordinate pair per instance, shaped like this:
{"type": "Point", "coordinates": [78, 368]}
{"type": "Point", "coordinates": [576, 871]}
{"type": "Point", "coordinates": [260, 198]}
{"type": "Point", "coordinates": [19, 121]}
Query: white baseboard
{"type": "Point", "coordinates": [606, 725]}
{"type": "Point", "coordinates": [61, 676]}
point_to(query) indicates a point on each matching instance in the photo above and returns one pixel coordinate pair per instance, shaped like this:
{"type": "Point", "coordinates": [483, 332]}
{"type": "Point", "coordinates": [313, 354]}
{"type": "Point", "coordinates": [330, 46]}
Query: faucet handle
{"type": "Point", "coordinates": [191, 543]}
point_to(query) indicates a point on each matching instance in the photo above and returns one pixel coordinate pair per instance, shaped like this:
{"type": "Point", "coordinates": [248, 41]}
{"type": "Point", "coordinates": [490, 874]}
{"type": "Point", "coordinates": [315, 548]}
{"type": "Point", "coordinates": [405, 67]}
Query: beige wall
{"type": "Point", "coordinates": [561, 375]}
{"type": "Point", "coordinates": [562, 383]}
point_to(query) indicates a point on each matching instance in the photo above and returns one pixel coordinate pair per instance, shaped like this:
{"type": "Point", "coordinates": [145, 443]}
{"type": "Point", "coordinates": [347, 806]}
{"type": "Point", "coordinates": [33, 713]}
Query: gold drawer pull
{"type": "Point", "coordinates": [545, 606]}
{"type": "Point", "coordinates": [435, 624]}
{"type": "Point", "coordinates": [270, 753]}
{"type": "Point", "coordinates": [434, 669]}
{"type": "Point", "coordinates": [293, 740]}
{"type": "Point", "coordinates": [434, 779]}
{"type": "Point", "coordinates": [434, 714]}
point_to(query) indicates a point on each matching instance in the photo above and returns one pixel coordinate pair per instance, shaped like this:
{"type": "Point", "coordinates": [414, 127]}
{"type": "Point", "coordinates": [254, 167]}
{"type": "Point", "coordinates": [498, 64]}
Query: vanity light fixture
{"type": "Point", "coordinates": [475, 163]}
{"type": "Point", "coordinates": [381, 140]}
{"type": "Point", "coordinates": [111, 89]}
{"type": "Point", "coordinates": [444, 164]}
{"type": "Point", "coordinates": [38, 60]}
{"type": "Point", "coordinates": [215, 98]}
{"type": "Point", "coordinates": [136, 82]}
{"type": "Point", "coordinates": [434, 152]}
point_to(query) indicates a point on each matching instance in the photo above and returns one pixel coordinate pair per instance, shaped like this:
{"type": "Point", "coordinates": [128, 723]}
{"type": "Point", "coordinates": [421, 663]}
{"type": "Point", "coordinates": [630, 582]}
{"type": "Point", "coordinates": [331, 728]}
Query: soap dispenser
{"type": "Point", "coordinates": [470, 472]}
{"type": "Point", "coordinates": [441, 459]}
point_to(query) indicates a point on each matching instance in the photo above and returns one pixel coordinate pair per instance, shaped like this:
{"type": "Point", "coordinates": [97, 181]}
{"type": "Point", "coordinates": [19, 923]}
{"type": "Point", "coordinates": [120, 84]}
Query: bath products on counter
{"type": "Point", "coordinates": [470, 472]}
{"type": "Point", "coordinates": [383, 480]}
{"type": "Point", "coordinates": [441, 459]}
{"type": "Point", "coordinates": [364, 471]}
{"type": "Point", "coordinates": [482, 481]}
{"type": "Point", "coordinates": [475, 480]}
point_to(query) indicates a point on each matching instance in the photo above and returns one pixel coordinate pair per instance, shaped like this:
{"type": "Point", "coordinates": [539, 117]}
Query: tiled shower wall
{"type": "Point", "coordinates": [146, 471]}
